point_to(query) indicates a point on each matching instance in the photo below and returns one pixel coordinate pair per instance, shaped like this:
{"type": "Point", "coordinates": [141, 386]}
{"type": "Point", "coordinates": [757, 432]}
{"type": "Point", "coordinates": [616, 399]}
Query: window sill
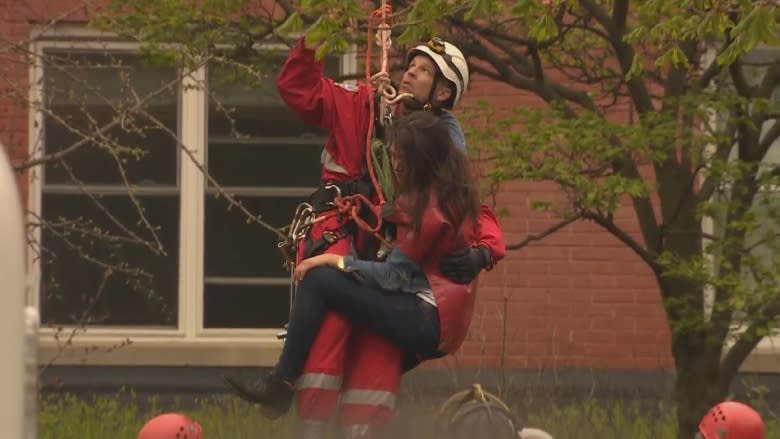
{"type": "Point", "coordinates": [225, 351]}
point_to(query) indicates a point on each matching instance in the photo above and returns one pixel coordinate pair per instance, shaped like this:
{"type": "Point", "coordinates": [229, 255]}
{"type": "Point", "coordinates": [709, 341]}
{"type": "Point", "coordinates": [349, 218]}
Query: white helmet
{"type": "Point", "coordinates": [449, 59]}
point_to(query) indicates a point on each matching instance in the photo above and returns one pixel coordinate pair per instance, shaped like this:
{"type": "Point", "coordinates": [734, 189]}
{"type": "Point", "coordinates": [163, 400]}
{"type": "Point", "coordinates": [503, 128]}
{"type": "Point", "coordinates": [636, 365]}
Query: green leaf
{"type": "Point", "coordinates": [637, 67]}
{"type": "Point", "coordinates": [293, 24]}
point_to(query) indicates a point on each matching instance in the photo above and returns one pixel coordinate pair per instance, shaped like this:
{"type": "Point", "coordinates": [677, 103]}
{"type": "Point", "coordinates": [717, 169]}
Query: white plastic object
{"type": "Point", "coordinates": [12, 339]}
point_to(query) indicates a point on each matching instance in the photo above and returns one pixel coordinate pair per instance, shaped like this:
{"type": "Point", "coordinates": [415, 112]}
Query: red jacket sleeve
{"type": "Point", "coordinates": [491, 236]}
{"type": "Point", "coordinates": [314, 98]}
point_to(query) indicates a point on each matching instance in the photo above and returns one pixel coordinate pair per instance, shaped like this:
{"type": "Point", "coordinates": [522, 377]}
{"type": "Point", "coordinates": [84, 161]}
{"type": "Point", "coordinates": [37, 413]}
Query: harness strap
{"type": "Point", "coordinates": [314, 247]}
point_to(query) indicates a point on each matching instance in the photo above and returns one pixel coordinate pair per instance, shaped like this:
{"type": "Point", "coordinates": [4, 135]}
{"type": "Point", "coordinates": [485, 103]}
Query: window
{"type": "Point", "coordinates": [219, 282]}
{"type": "Point", "coordinates": [121, 278]}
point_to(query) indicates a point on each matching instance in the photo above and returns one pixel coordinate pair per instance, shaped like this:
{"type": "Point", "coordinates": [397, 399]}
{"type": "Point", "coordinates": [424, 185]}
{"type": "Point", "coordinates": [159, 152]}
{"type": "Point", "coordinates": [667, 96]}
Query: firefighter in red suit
{"type": "Point", "coordinates": [349, 367]}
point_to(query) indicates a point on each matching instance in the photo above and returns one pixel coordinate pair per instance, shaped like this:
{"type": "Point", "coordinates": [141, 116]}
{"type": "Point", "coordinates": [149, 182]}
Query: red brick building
{"type": "Point", "coordinates": [576, 300]}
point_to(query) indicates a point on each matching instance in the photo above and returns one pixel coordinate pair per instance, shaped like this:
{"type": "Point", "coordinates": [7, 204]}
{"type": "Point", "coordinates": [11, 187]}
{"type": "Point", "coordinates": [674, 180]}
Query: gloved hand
{"type": "Point", "coordinates": [462, 266]}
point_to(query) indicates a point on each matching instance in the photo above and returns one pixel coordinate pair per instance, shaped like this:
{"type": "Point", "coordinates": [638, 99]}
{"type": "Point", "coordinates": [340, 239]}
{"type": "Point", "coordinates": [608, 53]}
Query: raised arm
{"type": "Point", "coordinates": [314, 98]}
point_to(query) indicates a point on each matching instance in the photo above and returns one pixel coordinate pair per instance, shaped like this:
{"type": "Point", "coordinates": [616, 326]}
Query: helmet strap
{"type": "Point", "coordinates": [434, 85]}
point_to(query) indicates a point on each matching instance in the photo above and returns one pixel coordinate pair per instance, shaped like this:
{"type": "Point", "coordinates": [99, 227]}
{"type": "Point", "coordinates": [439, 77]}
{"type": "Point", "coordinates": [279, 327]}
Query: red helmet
{"type": "Point", "coordinates": [171, 426]}
{"type": "Point", "coordinates": [731, 420]}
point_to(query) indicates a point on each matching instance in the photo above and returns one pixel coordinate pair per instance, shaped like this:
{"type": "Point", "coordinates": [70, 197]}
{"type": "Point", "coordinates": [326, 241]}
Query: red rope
{"type": "Point", "coordinates": [351, 205]}
{"type": "Point", "coordinates": [380, 16]}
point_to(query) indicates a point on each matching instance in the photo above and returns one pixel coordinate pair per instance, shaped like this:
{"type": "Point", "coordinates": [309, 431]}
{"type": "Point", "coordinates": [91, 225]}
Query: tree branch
{"type": "Point", "coordinates": [747, 341]}
{"type": "Point", "coordinates": [741, 201]}
{"type": "Point", "coordinates": [601, 16]}
{"type": "Point", "coordinates": [229, 197]}
{"type": "Point", "coordinates": [620, 14]}
{"type": "Point", "coordinates": [770, 137]}
{"type": "Point", "coordinates": [714, 68]}
{"type": "Point", "coordinates": [738, 78]}
{"type": "Point", "coordinates": [537, 62]}
{"type": "Point", "coordinates": [625, 56]}
{"type": "Point", "coordinates": [541, 235]}
{"type": "Point", "coordinates": [647, 255]}
{"type": "Point", "coordinates": [490, 33]}
{"type": "Point", "coordinates": [100, 132]}
{"type": "Point", "coordinates": [722, 152]}
{"type": "Point", "coordinates": [549, 91]}
{"type": "Point", "coordinates": [83, 320]}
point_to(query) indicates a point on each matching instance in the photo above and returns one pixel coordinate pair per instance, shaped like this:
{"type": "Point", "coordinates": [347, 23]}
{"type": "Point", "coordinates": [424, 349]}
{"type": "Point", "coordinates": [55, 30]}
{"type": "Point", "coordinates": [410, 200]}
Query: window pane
{"type": "Point", "coordinates": [70, 284]}
{"type": "Point", "coordinates": [254, 138]}
{"type": "Point", "coordinates": [235, 248]}
{"type": "Point", "coordinates": [250, 104]}
{"type": "Point", "coordinates": [88, 91]}
{"type": "Point", "coordinates": [255, 144]}
{"type": "Point", "coordinates": [234, 163]}
{"type": "Point", "coordinates": [245, 306]}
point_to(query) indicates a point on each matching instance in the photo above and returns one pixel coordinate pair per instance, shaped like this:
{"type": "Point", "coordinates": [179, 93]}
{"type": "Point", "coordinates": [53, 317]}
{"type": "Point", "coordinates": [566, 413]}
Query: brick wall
{"type": "Point", "coordinates": [577, 299]}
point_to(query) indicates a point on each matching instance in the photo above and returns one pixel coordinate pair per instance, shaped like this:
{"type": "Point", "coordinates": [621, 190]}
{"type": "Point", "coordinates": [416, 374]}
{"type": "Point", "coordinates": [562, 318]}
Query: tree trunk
{"type": "Point", "coordinates": [697, 385]}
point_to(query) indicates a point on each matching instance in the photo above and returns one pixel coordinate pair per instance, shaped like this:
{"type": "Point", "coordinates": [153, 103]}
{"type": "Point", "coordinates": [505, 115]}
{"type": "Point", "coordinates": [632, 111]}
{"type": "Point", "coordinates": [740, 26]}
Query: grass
{"type": "Point", "coordinates": [121, 416]}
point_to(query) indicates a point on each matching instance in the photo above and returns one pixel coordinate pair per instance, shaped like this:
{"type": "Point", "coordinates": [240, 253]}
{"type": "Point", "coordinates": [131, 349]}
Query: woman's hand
{"type": "Point", "coordinates": [316, 261]}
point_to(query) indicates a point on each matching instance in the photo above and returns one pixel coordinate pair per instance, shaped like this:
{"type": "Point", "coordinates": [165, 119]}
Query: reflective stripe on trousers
{"type": "Point", "coordinates": [368, 397]}
{"type": "Point", "coordinates": [318, 381]}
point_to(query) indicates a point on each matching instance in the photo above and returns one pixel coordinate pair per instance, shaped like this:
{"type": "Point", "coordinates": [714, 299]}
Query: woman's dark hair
{"type": "Point", "coordinates": [430, 161]}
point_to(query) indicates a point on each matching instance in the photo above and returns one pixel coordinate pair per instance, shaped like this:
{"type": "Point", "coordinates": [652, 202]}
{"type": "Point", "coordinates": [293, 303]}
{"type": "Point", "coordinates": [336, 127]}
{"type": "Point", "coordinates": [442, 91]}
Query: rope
{"type": "Point", "coordinates": [381, 80]}
{"type": "Point", "coordinates": [381, 20]}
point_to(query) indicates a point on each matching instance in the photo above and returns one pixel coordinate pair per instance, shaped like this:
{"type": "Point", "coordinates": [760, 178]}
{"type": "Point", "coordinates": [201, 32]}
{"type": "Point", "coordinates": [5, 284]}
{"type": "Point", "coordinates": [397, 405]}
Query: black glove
{"type": "Point", "coordinates": [462, 266]}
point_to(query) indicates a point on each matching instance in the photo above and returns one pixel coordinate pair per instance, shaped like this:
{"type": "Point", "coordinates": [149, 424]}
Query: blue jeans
{"type": "Point", "coordinates": [406, 320]}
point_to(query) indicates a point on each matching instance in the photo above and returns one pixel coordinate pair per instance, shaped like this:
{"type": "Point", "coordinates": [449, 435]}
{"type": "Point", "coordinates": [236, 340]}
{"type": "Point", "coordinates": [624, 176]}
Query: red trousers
{"type": "Point", "coordinates": [348, 367]}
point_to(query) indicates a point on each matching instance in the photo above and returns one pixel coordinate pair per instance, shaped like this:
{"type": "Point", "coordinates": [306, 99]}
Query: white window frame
{"type": "Point", "coordinates": [765, 357]}
{"type": "Point", "coordinates": [190, 343]}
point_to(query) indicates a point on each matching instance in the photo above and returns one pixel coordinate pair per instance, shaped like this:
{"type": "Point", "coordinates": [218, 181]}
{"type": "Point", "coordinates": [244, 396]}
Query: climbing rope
{"type": "Point", "coordinates": [380, 20]}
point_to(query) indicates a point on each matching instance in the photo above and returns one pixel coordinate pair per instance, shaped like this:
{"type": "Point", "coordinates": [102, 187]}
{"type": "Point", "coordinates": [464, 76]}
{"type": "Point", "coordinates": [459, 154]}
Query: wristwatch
{"type": "Point", "coordinates": [340, 263]}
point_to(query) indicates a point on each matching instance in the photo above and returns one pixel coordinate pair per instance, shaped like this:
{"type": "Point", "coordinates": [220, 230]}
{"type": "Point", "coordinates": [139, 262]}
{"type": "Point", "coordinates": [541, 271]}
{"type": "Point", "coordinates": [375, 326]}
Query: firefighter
{"type": "Point", "coordinates": [731, 420]}
{"type": "Point", "coordinates": [436, 76]}
{"type": "Point", "coordinates": [171, 426]}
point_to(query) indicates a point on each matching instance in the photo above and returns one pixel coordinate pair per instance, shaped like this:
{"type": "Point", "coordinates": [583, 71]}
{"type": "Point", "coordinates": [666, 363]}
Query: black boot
{"type": "Point", "coordinates": [273, 394]}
